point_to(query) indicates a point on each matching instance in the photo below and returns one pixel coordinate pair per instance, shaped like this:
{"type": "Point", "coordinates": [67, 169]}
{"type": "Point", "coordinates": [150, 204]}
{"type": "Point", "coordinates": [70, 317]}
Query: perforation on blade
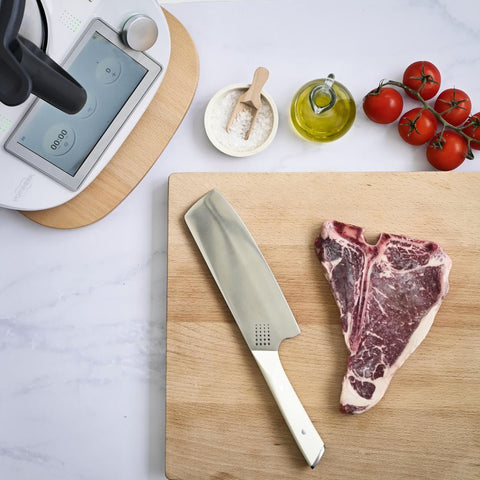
{"type": "Point", "coordinates": [262, 335]}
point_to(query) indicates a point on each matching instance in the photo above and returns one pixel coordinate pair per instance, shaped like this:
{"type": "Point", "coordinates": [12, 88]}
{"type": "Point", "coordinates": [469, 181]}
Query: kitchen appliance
{"type": "Point", "coordinates": [257, 304]}
{"type": "Point", "coordinates": [118, 51]}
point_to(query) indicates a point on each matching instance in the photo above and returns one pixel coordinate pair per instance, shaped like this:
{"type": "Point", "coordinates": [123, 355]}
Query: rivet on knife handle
{"type": "Point", "coordinates": [297, 419]}
{"type": "Point", "coordinates": [257, 304]}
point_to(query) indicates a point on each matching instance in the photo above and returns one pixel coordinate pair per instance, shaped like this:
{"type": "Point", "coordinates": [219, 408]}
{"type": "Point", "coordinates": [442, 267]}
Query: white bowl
{"type": "Point", "coordinates": [218, 112]}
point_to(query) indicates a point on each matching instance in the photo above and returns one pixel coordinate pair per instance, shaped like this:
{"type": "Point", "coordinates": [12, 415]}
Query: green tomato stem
{"type": "Point", "coordinates": [439, 117]}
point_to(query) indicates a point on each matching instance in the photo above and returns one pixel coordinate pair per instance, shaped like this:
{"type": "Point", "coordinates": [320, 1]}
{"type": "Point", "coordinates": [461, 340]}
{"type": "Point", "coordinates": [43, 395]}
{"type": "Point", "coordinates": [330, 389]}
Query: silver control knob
{"type": "Point", "coordinates": [139, 32]}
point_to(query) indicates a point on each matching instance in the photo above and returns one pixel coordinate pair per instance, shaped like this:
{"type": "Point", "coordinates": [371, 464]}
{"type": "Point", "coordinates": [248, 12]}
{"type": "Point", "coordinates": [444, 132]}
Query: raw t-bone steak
{"type": "Point", "coordinates": [388, 295]}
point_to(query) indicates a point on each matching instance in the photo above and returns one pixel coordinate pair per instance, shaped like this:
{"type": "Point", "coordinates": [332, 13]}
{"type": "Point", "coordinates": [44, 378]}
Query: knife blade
{"type": "Point", "coordinates": [257, 305]}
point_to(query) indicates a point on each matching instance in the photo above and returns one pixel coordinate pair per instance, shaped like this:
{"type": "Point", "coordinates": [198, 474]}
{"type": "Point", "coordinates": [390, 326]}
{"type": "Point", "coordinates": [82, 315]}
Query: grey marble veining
{"type": "Point", "coordinates": [82, 313]}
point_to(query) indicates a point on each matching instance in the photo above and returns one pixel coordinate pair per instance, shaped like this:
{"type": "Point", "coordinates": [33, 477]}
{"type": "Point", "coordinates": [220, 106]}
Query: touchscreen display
{"type": "Point", "coordinates": [109, 76]}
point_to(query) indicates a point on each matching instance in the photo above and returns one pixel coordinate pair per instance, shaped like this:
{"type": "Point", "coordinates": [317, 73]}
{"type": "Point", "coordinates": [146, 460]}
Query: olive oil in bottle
{"type": "Point", "coordinates": [322, 110]}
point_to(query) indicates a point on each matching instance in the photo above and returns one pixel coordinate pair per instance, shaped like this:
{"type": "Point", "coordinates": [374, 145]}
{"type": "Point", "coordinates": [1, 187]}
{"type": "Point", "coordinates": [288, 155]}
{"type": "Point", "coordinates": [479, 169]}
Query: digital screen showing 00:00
{"type": "Point", "coordinates": [109, 76]}
{"type": "Point", "coordinates": [62, 135]}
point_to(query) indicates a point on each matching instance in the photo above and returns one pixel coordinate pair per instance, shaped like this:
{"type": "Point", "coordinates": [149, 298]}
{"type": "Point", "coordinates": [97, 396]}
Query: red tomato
{"type": "Point", "coordinates": [417, 126]}
{"type": "Point", "coordinates": [424, 78]}
{"type": "Point", "coordinates": [453, 105]}
{"type": "Point", "coordinates": [383, 106]}
{"type": "Point", "coordinates": [447, 150]}
{"type": "Point", "coordinates": [472, 129]}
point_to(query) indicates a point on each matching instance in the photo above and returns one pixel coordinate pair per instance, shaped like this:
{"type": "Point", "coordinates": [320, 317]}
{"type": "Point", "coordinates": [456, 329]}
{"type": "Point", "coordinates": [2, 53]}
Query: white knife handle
{"type": "Point", "coordinates": [299, 423]}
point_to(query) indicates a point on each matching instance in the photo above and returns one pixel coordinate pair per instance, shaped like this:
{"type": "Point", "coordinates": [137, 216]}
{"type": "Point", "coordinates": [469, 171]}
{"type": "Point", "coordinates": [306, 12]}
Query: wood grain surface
{"type": "Point", "coordinates": [221, 420]}
{"type": "Point", "coordinates": [122, 175]}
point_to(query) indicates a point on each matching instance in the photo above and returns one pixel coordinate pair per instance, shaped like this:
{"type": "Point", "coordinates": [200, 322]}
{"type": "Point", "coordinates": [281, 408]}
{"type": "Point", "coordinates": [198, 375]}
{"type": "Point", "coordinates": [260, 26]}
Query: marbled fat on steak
{"type": "Point", "coordinates": [388, 295]}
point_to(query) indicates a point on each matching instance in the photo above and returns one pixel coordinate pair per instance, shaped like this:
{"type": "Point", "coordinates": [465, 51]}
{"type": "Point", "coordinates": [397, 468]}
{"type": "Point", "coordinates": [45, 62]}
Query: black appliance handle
{"type": "Point", "coordinates": [26, 69]}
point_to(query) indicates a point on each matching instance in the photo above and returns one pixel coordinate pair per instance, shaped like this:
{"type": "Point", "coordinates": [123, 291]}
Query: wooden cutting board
{"type": "Point", "coordinates": [221, 420]}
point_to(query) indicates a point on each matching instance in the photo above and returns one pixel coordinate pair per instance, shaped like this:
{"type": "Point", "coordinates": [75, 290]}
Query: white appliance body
{"type": "Point", "coordinates": [22, 187]}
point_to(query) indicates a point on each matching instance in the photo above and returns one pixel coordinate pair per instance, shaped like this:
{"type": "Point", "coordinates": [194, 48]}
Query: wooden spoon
{"type": "Point", "coordinates": [251, 99]}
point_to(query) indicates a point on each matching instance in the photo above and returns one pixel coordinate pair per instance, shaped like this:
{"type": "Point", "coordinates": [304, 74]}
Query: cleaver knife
{"type": "Point", "coordinates": [257, 304]}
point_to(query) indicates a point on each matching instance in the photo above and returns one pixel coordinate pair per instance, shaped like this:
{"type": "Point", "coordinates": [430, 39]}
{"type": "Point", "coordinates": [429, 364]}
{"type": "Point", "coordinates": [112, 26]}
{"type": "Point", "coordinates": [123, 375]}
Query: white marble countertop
{"type": "Point", "coordinates": [82, 312]}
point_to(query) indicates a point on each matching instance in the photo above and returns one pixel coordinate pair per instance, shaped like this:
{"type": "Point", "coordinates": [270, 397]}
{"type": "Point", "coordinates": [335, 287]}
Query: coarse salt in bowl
{"type": "Point", "coordinates": [233, 143]}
